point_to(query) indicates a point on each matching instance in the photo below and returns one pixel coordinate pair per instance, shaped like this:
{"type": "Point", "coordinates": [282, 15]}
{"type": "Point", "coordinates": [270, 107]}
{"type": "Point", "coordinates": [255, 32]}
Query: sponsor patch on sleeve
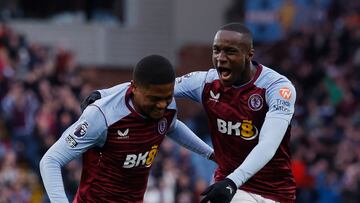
{"type": "Point", "coordinates": [285, 93]}
{"type": "Point", "coordinates": [282, 105]}
{"type": "Point", "coordinates": [71, 141]}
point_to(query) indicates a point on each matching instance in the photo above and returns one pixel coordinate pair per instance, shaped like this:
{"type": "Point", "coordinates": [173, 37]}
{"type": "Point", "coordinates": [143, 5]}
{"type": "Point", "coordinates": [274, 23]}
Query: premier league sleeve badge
{"type": "Point", "coordinates": [81, 129]}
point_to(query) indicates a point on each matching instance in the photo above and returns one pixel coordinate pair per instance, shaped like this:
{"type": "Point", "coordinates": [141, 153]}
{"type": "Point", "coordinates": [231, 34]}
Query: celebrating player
{"type": "Point", "coordinates": [119, 137]}
{"type": "Point", "coordinates": [249, 108]}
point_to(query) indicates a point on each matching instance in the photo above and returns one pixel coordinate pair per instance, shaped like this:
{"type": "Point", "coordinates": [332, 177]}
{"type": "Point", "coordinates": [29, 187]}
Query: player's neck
{"type": "Point", "coordinates": [249, 74]}
{"type": "Point", "coordinates": [135, 107]}
{"type": "Point", "coordinates": [253, 70]}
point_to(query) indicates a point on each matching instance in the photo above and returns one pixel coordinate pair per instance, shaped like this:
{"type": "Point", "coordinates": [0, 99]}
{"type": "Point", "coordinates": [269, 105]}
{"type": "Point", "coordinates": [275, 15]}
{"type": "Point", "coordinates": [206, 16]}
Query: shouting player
{"type": "Point", "coordinates": [249, 108]}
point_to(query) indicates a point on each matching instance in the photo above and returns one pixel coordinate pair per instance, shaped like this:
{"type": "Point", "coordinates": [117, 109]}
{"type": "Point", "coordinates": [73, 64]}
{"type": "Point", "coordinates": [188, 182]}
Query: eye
{"type": "Point", "coordinates": [153, 99]}
{"type": "Point", "coordinates": [216, 50]}
{"type": "Point", "coordinates": [231, 51]}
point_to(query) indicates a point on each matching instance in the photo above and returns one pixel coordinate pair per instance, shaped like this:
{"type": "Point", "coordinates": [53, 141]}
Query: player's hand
{"type": "Point", "coordinates": [220, 192]}
{"type": "Point", "coordinates": [95, 95]}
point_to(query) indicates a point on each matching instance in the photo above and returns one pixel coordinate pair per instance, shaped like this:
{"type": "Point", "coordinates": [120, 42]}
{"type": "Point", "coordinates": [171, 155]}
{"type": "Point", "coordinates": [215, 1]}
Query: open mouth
{"type": "Point", "coordinates": [224, 73]}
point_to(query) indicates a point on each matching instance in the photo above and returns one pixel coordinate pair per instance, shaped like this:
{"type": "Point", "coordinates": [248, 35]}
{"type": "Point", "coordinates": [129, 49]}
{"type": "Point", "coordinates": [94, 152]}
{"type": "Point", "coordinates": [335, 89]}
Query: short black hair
{"type": "Point", "coordinates": [154, 70]}
{"type": "Point", "coordinates": [240, 28]}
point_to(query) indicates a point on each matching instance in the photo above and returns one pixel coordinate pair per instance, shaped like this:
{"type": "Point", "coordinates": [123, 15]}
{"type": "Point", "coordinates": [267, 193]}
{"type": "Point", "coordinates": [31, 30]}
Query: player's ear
{"type": "Point", "coordinates": [133, 86]}
{"type": "Point", "coordinates": [250, 54]}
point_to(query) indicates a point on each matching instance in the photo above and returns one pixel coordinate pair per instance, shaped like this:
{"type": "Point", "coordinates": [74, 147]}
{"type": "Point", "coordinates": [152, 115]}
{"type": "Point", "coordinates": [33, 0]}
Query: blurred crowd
{"type": "Point", "coordinates": [323, 61]}
{"type": "Point", "coordinates": [40, 90]}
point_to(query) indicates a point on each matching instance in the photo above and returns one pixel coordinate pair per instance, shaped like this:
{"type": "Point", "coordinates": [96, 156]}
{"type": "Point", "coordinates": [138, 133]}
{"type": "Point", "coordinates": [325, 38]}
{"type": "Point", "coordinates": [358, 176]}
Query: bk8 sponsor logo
{"type": "Point", "coordinates": [244, 129]}
{"type": "Point", "coordinates": [146, 158]}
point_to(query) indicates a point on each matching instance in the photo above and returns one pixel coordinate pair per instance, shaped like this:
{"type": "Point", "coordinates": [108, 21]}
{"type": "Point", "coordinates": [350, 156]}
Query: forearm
{"type": "Point", "coordinates": [263, 152]}
{"type": "Point", "coordinates": [50, 168]}
{"type": "Point", "coordinates": [188, 139]}
{"type": "Point", "coordinates": [51, 175]}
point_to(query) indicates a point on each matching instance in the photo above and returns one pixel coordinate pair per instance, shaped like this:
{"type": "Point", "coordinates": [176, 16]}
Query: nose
{"type": "Point", "coordinates": [221, 57]}
{"type": "Point", "coordinates": [161, 104]}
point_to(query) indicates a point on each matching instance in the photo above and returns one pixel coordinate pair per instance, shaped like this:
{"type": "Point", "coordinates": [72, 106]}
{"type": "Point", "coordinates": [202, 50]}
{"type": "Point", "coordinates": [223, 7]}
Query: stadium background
{"type": "Point", "coordinates": [52, 54]}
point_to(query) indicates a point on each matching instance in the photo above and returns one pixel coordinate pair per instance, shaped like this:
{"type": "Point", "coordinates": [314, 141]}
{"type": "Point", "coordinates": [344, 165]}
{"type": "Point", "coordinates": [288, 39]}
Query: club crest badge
{"type": "Point", "coordinates": [81, 129]}
{"type": "Point", "coordinates": [255, 102]}
{"type": "Point", "coordinates": [162, 126]}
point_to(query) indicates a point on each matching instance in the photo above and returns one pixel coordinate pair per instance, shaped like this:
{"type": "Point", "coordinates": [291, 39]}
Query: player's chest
{"type": "Point", "coordinates": [137, 132]}
{"type": "Point", "coordinates": [134, 144]}
{"type": "Point", "coordinates": [236, 113]}
{"type": "Point", "coordinates": [236, 103]}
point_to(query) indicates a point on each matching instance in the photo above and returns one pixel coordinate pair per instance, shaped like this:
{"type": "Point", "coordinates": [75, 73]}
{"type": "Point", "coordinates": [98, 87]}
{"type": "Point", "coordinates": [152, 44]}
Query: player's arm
{"type": "Point", "coordinates": [190, 85]}
{"type": "Point", "coordinates": [87, 132]}
{"type": "Point", "coordinates": [111, 90]}
{"type": "Point", "coordinates": [269, 140]}
{"type": "Point", "coordinates": [277, 120]}
{"type": "Point", "coordinates": [182, 135]}
{"type": "Point", "coordinates": [271, 134]}
{"type": "Point", "coordinates": [98, 94]}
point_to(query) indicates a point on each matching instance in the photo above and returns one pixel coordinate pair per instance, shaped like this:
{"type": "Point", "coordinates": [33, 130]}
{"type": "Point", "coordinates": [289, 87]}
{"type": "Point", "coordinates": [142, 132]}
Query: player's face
{"type": "Point", "coordinates": [152, 100]}
{"type": "Point", "coordinates": [231, 57]}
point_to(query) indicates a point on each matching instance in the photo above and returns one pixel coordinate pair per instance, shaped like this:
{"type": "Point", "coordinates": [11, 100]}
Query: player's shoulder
{"type": "Point", "coordinates": [199, 76]}
{"type": "Point", "coordinates": [269, 77]}
{"type": "Point", "coordinates": [209, 76]}
{"type": "Point", "coordinates": [212, 75]}
{"type": "Point", "coordinates": [113, 106]}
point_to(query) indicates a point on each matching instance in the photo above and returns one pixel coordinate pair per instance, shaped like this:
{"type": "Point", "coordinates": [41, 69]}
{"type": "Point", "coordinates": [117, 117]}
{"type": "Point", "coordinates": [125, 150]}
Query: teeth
{"type": "Point", "coordinates": [225, 73]}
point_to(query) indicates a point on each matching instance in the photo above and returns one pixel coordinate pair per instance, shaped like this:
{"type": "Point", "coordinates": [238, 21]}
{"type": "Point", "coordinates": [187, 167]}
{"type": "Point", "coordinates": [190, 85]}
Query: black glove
{"type": "Point", "coordinates": [220, 192]}
{"type": "Point", "coordinates": [95, 95]}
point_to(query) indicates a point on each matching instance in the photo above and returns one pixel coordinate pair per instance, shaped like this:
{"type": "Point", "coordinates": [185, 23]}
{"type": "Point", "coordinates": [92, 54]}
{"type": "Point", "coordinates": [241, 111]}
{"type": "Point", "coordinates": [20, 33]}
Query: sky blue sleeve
{"type": "Point", "coordinates": [269, 141]}
{"type": "Point", "coordinates": [87, 132]}
{"type": "Point", "coordinates": [281, 97]}
{"type": "Point", "coordinates": [112, 90]}
{"type": "Point", "coordinates": [182, 135]}
{"type": "Point", "coordinates": [190, 86]}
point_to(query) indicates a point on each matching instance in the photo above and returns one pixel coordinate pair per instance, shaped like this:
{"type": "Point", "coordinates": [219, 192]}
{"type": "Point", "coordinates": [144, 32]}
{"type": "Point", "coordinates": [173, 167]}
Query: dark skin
{"type": "Point", "coordinates": [232, 55]}
{"type": "Point", "coordinates": [151, 100]}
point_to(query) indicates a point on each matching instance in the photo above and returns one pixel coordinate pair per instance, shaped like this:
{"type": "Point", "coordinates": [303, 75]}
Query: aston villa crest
{"type": "Point", "coordinates": [255, 102]}
{"type": "Point", "coordinates": [162, 126]}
